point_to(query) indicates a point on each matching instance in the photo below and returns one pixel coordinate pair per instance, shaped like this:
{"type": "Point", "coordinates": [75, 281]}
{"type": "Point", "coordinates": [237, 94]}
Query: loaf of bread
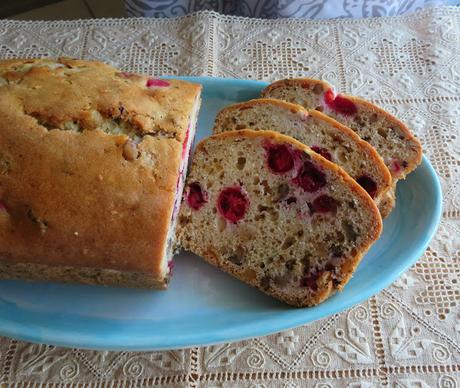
{"type": "Point", "coordinates": [273, 213]}
{"type": "Point", "coordinates": [91, 168]}
{"type": "Point", "coordinates": [323, 134]}
{"type": "Point", "coordinates": [398, 147]}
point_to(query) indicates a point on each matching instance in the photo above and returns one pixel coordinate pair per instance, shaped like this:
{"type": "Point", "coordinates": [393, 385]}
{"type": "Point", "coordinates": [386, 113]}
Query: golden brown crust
{"type": "Point", "coordinates": [76, 88]}
{"type": "Point", "coordinates": [326, 287]}
{"type": "Point", "coordinates": [72, 196]}
{"type": "Point", "coordinates": [306, 82]}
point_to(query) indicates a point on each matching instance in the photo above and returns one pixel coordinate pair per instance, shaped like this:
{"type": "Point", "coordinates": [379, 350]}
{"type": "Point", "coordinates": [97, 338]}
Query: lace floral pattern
{"type": "Point", "coordinates": [409, 334]}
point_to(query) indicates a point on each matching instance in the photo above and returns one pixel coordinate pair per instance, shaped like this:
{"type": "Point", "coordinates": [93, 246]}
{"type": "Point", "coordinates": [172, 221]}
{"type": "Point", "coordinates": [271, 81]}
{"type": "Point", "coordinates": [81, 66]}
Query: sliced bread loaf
{"type": "Point", "coordinates": [398, 147]}
{"type": "Point", "coordinates": [92, 167]}
{"type": "Point", "coordinates": [324, 135]}
{"type": "Point", "coordinates": [273, 213]}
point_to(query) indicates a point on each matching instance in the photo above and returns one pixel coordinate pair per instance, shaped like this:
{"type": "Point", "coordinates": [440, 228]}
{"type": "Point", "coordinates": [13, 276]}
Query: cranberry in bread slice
{"type": "Point", "coordinates": [323, 134]}
{"type": "Point", "coordinates": [395, 143]}
{"type": "Point", "coordinates": [275, 214]}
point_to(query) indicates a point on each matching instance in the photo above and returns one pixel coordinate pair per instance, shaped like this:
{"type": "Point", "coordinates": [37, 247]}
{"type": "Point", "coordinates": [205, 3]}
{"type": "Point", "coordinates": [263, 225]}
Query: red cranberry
{"type": "Point", "coordinates": [196, 197]}
{"type": "Point", "coordinates": [395, 166]}
{"type": "Point", "coordinates": [2, 206]}
{"type": "Point", "coordinates": [310, 178]}
{"type": "Point", "coordinates": [324, 204]}
{"type": "Point", "coordinates": [170, 266]}
{"type": "Point", "coordinates": [339, 103]}
{"type": "Point", "coordinates": [368, 184]}
{"type": "Point", "coordinates": [310, 281]}
{"type": "Point", "coordinates": [279, 158]}
{"type": "Point", "coordinates": [232, 204]}
{"type": "Point", "coordinates": [329, 97]}
{"type": "Point", "coordinates": [322, 151]}
{"type": "Point", "coordinates": [152, 82]}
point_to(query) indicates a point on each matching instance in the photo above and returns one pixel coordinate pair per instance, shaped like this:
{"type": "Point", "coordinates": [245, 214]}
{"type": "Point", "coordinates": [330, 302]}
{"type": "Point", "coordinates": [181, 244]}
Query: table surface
{"type": "Point", "coordinates": [406, 336]}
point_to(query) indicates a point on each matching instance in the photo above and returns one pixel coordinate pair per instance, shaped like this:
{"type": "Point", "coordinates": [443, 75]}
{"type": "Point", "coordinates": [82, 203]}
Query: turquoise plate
{"type": "Point", "coordinates": [203, 305]}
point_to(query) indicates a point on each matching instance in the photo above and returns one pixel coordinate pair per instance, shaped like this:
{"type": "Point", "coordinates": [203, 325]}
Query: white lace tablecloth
{"type": "Point", "coordinates": [406, 336]}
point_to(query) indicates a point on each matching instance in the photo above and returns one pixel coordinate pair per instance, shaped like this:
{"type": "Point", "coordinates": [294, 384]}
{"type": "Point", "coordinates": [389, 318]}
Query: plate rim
{"type": "Point", "coordinates": [56, 337]}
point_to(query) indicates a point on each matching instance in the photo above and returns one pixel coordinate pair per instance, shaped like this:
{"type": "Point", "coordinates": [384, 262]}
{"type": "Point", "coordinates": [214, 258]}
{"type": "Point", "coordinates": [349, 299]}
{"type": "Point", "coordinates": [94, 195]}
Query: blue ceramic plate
{"type": "Point", "coordinates": [203, 305]}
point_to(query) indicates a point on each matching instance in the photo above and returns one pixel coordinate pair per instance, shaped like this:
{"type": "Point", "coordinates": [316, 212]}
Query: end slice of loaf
{"type": "Point", "coordinates": [276, 215]}
{"type": "Point", "coordinates": [395, 143]}
{"type": "Point", "coordinates": [323, 134]}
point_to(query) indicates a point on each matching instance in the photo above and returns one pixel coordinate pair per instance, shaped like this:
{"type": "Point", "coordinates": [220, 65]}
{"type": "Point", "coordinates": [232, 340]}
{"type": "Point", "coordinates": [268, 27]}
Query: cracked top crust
{"type": "Point", "coordinates": [63, 90]}
{"type": "Point", "coordinates": [89, 162]}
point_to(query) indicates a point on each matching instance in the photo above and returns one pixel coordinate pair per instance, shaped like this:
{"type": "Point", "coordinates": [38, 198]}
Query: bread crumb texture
{"type": "Point", "coordinates": [270, 211]}
{"type": "Point", "coordinates": [324, 135]}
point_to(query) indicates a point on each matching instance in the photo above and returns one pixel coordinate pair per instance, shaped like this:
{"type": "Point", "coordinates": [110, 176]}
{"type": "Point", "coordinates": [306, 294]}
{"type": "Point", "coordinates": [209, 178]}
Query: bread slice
{"type": "Point", "coordinates": [398, 147]}
{"type": "Point", "coordinates": [324, 135]}
{"type": "Point", "coordinates": [270, 211]}
{"type": "Point", "coordinates": [92, 165]}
